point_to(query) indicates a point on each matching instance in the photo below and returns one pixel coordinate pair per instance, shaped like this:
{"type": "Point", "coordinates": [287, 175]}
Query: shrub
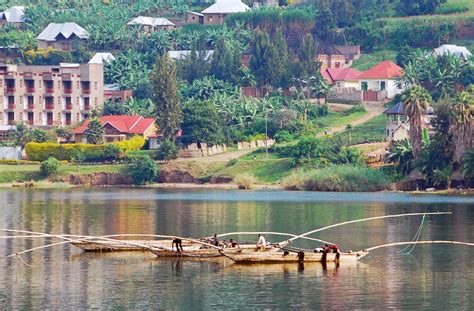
{"type": "Point", "coordinates": [167, 151]}
{"type": "Point", "coordinates": [111, 152]}
{"type": "Point", "coordinates": [142, 170]}
{"type": "Point", "coordinates": [49, 167]}
{"type": "Point", "coordinates": [245, 181]}
{"type": "Point", "coordinates": [283, 136]}
{"type": "Point", "coordinates": [141, 153]}
{"type": "Point", "coordinates": [338, 178]}
{"type": "Point", "coordinates": [132, 144]}
{"type": "Point", "coordinates": [452, 8]}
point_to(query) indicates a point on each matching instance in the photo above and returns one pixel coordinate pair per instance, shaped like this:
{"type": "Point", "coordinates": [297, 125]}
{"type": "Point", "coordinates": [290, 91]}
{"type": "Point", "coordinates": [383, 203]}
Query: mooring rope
{"type": "Point", "coordinates": [415, 239]}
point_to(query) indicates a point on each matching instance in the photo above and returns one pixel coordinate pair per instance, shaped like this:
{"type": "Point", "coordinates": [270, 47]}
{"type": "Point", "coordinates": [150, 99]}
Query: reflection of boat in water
{"type": "Point", "coordinates": [128, 245]}
{"type": "Point", "coordinates": [318, 267]}
{"type": "Point", "coordinates": [206, 252]}
{"type": "Point", "coordinates": [288, 257]}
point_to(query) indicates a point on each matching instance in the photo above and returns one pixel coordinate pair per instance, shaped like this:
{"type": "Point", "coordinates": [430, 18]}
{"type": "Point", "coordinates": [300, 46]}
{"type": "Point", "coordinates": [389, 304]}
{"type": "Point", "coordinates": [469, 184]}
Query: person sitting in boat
{"type": "Point", "coordinates": [261, 243]}
{"type": "Point", "coordinates": [233, 244]}
{"type": "Point", "coordinates": [179, 245]}
{"type": "Point", "coordinates": [215, 240]}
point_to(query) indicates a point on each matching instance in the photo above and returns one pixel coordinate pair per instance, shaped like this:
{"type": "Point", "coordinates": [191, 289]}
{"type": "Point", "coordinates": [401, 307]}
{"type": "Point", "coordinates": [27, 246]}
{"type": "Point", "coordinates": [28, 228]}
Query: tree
{"type": "Point", "coordinates": [201, 123]}
{"type": "Point", "coordinates": [165, 97]}
{"type": "Point", "coordinates": [416, 101]}
{"type": "Point", "coordinates": [263, 58]}
{"type": "Point", "coordinates": [142, 170]}
{"type": "Point", "coordinates": [468, 164]}
{"type": "Point", "coordinates": [78, 158]}
{"type": "Point", "coordinates": [307, 66]}
{"type": "Point", "coordinates": [462, 114]}
{"type": "Point", "coordinates": [401, 153]}
{"type": "Point", "coordinates": [226, 62]}
{"type": "Point", "coordinates": [443, 176]}
{"type": "Point", "coordinates": [280, 62]}
{"type": "Point", "coordinates": [196, 64]}
{"type": "Point", "coordinates": [49, 167]}
{"type": "Point", "coordinates": [167, 151]}
{"type": "Point", "coordinates": [95, 132]}
{"type": "Point", "coordinates": [112, 107]}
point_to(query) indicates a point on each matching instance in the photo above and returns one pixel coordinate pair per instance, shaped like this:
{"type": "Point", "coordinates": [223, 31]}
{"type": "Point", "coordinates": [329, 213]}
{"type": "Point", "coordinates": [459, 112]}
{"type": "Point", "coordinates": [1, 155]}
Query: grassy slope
{"type": "Point", "coordinates": [370, 131]}
{"type": "Point", "coordinates": [9, 173]}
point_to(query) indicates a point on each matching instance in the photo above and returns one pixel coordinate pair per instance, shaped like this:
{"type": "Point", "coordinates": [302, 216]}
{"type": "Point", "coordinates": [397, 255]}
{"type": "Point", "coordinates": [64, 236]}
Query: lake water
{"type": "Point", "coordinates": [63, 277]}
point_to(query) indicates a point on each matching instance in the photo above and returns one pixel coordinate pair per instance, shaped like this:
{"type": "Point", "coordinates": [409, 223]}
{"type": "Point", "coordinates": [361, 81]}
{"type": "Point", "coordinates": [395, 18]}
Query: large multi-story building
{"type": "Point", "coordinates": [46, 96]}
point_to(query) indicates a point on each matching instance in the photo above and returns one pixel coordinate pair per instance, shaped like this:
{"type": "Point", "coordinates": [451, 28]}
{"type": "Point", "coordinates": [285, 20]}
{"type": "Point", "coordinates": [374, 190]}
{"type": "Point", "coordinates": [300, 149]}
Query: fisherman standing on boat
{"type": "Point", "coordinates": [261, 243]}
{"type": "Point", "coordinates": [179, 245]}
{"type": "Point", "coordinates": [335, 249]}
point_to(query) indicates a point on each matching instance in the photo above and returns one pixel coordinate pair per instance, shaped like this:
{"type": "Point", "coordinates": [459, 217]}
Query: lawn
{"type": "Point", "coordinates": [370, 131]}
{"type": "Point", "coordinates": [266, 171]}
{"type": "Point", "coordinates": [10, 173]}
{"type": "Point", "coordinates": [368, 60]}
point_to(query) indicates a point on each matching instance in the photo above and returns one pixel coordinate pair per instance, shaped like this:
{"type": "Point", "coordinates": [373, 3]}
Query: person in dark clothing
{"type": "Point", "coordinates": [335, 249]}
{"type": "Point", "coordinates": [178, 243]}
{"type": "Point", "coordinates": [300, 257]}
{"type": "Point", "coordinates": [215, 240]}
{"type": "Point", "coordinates": [233, 244]}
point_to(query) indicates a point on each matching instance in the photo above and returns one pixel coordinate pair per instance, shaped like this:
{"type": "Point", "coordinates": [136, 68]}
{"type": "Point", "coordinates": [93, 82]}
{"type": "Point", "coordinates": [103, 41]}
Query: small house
{"type": "Point", "coordinates": [14, 15]}
{"type": "Point", "coordinates": [459, 51]}
{"type": "Point", "coordinates": [342, 77]}
{"type": "Point", "coordinates": [119, 128]}
{"type": "Point", "coordinates": [398, 127]}
{"type": "Point", "coordinates": [152, 24]}
{"type": "Point", "coordinates": [102, 58]}
{"type": "Point", "coordinates": [62, 36]}
{"type": "Point", "coordinates": [380, 82]}
{"type": "Point", "coordinates": [216, 13]}
{"type": "Point", "coordinates": [194, 18]}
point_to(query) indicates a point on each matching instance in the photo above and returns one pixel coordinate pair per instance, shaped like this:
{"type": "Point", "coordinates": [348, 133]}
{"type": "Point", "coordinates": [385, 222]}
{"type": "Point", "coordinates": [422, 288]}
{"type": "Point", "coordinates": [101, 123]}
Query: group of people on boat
{"type": "Point", "coordinates": [214, 240]}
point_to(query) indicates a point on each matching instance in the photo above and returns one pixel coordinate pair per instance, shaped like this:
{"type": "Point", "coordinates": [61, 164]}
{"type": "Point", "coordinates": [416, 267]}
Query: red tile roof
{"type": "Point", "coordinates": [383, 70]}
{"type": "Point", "coordinates": [123, 123]}
{"type": "Point", "coordinates": [343, 74]}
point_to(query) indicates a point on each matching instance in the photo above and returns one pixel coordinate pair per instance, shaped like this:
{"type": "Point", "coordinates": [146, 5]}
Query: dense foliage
{"type": "Point", "coordinates": [142, 170]}
{"type": "Point", "coordinates": [49, 167]}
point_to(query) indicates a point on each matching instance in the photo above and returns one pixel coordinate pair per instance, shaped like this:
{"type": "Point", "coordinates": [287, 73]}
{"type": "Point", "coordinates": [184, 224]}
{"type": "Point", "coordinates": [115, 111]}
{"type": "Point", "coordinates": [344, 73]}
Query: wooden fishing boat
{"type": "Point", "coordinates": [206, 252]}
{"type": "Point", "coordinates": [129, 245]}
{"type": "Point", "coordinates": [291, 257]}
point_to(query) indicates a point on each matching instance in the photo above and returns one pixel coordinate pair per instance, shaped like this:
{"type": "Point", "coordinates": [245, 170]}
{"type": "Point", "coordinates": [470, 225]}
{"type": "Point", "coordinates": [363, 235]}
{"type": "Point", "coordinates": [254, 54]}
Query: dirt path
{"type": "Point", "coordinates": [373, 110]}
{"type": "Point", "coordinates": [223, 157]}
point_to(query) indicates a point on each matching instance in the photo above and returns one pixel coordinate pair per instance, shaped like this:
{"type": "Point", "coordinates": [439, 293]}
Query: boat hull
{"type": "Point", "coordinates": [212, 252]}
{"type": "Point", "coordinates": [128, 245]}
{"type": "Point", "coordinates": [280, 257]}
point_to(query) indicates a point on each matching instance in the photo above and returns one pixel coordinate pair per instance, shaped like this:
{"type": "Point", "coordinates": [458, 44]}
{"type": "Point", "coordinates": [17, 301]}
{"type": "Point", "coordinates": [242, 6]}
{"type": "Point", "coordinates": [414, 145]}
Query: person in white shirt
{"type": "Point", "coordinates": [261, 243]}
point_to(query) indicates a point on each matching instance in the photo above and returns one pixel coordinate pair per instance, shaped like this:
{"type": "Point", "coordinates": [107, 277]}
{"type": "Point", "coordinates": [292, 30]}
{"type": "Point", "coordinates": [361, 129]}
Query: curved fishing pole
{"type": "Point", "coordinates": [364, 219]}
{"type": "Point", "coordinates": [417, 242]}
{"type": "Point", "coordinates": [271, 233]}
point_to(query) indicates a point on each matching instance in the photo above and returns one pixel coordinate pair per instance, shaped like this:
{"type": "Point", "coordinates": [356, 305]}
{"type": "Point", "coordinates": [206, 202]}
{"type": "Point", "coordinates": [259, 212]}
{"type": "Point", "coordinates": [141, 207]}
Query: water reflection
{"type": "Point", "coordinates": [433, 276]}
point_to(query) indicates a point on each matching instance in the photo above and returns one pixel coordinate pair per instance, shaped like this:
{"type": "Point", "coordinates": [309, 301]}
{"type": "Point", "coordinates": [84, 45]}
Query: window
{"type": "Point", "coordinates": [338, 65]}
{"type": "Point", "coordinates": [364, 86]}
{"type": "Point", "coordinates": [382, 85]}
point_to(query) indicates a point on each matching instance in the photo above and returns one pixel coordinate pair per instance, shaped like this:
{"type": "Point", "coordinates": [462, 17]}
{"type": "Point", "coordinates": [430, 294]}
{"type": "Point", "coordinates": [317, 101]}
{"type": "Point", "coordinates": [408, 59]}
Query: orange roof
{"type": "Point", "coordinates": [343, 74]}
{"type": "Point", "coordinates": [383, 70]}
{"type": "Point", "coordinates": [123, 123]}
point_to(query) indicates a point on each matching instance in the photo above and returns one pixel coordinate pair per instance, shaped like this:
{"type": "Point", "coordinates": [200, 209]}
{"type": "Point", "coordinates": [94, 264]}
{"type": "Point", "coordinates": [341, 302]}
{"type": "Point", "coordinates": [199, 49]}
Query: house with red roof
{"type": "Point", "coordinates": [342, 77]}
{"type": "Point", "coordinates": [119, 128]}
{"type": "Point", "coordinates": [382, 78]}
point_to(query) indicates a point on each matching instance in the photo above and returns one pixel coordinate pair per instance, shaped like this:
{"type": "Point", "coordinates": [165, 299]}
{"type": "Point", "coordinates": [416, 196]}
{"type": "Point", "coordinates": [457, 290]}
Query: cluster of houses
{"type": "Point", "coordinates": [65, 94]}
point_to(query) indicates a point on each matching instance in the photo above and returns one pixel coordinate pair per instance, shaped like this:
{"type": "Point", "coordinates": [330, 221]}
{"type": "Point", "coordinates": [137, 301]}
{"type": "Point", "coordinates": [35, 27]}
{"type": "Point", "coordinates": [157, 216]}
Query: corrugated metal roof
{"type": "Point", "coordinates": [226, 7]}
{"type": "Point", "coordinates": [459, 51]}
{"type": "Point", "coordinates": [51, 32]}
{"type": "Point", "coordinates": [195, 13]}
{"type": "Point", "coordinates": [100, 58]}
{"type": "Point", "coordinates": [398, 108]}
{"type": "Point", "coordinates": [150, 21]}
{"type": "Point", "coordinates": [178, 55]}
{"type": "Point", "coordinates": [15, 14]}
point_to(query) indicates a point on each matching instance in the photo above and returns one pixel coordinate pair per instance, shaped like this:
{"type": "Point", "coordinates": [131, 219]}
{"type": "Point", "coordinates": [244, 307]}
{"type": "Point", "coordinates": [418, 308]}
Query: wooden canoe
{"type": "Point", "coordinates": [280, 257]}
{"type": "Point", "coordinates": [128, 245]}
{"type": "Point", "coordinates": [212, 252]}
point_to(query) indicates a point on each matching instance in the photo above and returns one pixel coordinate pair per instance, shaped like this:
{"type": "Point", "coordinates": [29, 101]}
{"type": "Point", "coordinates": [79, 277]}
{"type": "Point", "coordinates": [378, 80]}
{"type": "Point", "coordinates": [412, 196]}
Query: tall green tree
{"type": "Point", "coordinates": [226, 62]}
{"type": "Point", "coordinates": [196, 64]}
{"type": "Point", "coordinates": [416, 101]}
{"type": "Point", "coordinates": [307, 66]}
{"type": "Point", "coordinates": [95, 132]}
{"type": "Point", "coordinates": [462, 115]}
{"type": "Point", "coordinates": [263, 58]}
{"type": "Point", "coordinates": [164, 84]}
{"type": "Point", "coordinates": [280, 62]}
{"type": "Point", "coordinates": [202, 123]}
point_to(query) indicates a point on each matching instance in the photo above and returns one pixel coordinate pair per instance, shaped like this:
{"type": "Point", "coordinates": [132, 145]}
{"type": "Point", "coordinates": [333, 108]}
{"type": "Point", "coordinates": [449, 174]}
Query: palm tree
{"type": "Point", "coordinates": [416, 102]}
{"type": "Point", "coordinates": [401, 152]}
{"type": "Point", "coordinates": [444, 175]}
{"type": "Point", "coordinates": [95, 132]}
{"type": "Point", "coordinates": [468, 164]}
{"type": "Point", "coordinates": [462, 115]}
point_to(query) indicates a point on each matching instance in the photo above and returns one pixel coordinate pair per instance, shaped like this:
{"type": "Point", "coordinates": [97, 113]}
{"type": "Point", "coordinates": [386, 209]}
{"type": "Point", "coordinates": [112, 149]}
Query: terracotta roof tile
{"type": "Point", "coordinates": [123, 123]}
{"type": "Point", "coordinates": [383, 70]}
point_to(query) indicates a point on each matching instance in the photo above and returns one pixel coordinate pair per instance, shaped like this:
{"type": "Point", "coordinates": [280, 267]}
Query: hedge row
{"type": "Point", "coordinates": [85, 152]}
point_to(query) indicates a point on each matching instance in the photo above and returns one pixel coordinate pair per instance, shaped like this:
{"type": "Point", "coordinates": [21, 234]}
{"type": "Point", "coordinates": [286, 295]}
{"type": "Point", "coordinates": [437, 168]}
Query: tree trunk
{"type": "Point", "coordinates": [415, 133]}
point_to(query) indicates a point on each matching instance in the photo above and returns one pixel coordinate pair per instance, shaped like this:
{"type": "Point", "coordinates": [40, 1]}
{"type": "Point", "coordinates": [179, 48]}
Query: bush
{"type": "Point", "coordinates": [142, 170]}
{"type": "Point", "coordinates": [141, 153]}
{"type": "Point", "coordinates": [111, 152]}
{"type": "Point", "coordinates": [167, 151]}
{"type": "Point", "coordinates": [338, 178]}
{"type": "Point", "coordinates": [49, 167]}
{"type": "Point", "coordinates": [245, 181]}
{"type": "Point", "coordinates": [283, 136]}
{"type": "Point", "coordinates": [132, 144]}
{"type": "Point", "coordinates": [452, 8]}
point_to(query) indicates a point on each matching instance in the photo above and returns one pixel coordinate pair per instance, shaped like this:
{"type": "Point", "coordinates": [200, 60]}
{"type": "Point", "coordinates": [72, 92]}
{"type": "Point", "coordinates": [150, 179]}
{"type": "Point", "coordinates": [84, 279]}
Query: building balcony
{"type": "Point", "coordinates": [86, 91]}
{"type": "Point", "coordinates": [28, 76]}
{"type": "Point", "coordinates": [68, 107]}
{"type": "Point", "coordinates": [30, 90]}
{"type": "Point", "coordinates": [49, 90]}
{"type": "Point", "coordinates": [67, 90]}
{"type": "Point", "coordinates": [30, 107]}
{"type": "Point", "coordinates": [11, 106]}
{"type": "Point", "coordinates": [11, 122]}
{"type": "Point", "coordinates": [87, 107]}
{"type": "Point", "coordinates": [49, 106]}
{"type": "Point", "coordinates": [10, 89]}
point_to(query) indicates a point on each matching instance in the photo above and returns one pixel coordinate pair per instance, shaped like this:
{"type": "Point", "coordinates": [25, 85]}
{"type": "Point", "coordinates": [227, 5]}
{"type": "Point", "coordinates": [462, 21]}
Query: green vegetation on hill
{"type": "Point", "coordinates": [368, 60]}
{"type": "Point", "coordinates": [368, 132]}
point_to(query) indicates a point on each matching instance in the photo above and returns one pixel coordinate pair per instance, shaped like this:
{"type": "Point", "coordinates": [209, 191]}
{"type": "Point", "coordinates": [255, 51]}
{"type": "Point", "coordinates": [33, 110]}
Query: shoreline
{"type": "Point", "coordinates": [223, 186]}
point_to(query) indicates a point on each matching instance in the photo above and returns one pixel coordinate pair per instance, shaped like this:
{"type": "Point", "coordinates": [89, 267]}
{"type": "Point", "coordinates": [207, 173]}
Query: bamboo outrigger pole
{"type": "Point", "coordinates": [272, 233]}
{"type": "Point", "coordinates": [365, 219]}
{"type": "Point", "coordinates": [417, 242]}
